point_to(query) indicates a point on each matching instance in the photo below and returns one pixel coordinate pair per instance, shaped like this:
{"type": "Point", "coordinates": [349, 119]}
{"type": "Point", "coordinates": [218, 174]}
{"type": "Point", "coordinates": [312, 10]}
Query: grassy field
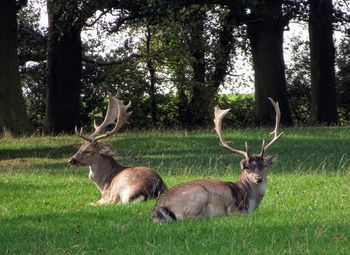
{"type": "Point", "coordinates": [44, 203]}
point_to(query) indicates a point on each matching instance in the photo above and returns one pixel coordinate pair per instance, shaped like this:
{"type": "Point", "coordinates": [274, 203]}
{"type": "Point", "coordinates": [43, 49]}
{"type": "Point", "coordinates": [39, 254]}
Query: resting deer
{"type": "Point", "coordinates": [201, 199]}
{"type": "Point", "coordinates": [117, 183]}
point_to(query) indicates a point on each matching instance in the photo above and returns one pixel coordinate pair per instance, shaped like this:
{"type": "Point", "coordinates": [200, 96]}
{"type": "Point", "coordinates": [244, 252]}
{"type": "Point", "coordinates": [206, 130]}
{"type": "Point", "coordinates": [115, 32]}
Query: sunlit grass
{"type": "Point", "coordinates": [44, 205]}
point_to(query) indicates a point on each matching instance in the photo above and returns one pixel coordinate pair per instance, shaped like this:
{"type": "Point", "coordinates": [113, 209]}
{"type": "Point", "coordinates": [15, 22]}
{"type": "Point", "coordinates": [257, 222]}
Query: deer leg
{"type": "Point", "coordinates": [100, 202]}
{"type": "Point", "coordinates": [106, 199]}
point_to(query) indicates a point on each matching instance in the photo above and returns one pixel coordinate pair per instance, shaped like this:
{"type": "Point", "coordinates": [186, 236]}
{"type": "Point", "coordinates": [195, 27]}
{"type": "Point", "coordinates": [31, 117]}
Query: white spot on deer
{"type": "Point", "coordinates": [138, 199]}
{"type": "Point", "coordinates": [125, 195]}
{"type": "Point", "coordinates": [262, 188]}
{"type": "Point", "coordinates": [252, 205]}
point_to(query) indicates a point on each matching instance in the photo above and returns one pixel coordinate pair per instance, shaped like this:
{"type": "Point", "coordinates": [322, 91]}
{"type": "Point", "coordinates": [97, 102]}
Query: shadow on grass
{"type": "Point", "coordinates": [42, 152]}
{"type": "Point", "coordinates": [172, 153]}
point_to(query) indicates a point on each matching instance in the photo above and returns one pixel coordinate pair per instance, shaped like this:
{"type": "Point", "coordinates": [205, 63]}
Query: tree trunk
{"type": "Point", "coordinates": [205, 82]}
{"type": "Point", "coordinates": [223, 51]}
{"type": "Point", "coordinates": [152, 76]}
{"type": "Point", "coordinates": [323, 93]}
{"type": "Point", "coordinates": [64, 59]}
{"type": "Point", "coordinates": [12, 108]}
{"type": "Point", "coordinates": [198, 113]}
{"type": "Point", "coordinates": [182, 97]}
{"type": "Point", "coordinates": [153, 91]}
{"type": "Point", "coordinates": [265, 33]}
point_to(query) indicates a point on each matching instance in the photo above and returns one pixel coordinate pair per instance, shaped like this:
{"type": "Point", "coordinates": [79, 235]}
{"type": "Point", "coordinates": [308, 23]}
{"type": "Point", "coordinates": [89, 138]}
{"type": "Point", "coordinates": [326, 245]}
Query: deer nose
{"type": "Point", "coordinates": [72, 161]}
{"type": "Point", "coordinates": [259, 179]}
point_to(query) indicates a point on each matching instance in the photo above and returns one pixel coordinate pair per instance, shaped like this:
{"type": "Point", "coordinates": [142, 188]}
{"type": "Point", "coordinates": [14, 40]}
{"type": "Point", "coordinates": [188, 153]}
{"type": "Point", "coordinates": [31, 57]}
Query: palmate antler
{"type": "Point", "coordinates": [116, 115]}
{"type": "Point", "coordinates": [220, 114]}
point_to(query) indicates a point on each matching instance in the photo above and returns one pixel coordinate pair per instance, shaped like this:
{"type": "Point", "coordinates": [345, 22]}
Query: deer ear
{"type": "Point", "coordinates": [270, 160]}
{"type": "Point", "coordinates": [243, 164]}
{"type": "Point", "coordinates": [107, 151]}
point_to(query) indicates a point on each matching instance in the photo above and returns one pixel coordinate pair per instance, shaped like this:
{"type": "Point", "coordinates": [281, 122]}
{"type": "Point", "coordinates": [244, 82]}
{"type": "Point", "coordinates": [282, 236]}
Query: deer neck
{"type": "Point", "coordinates": [103, 170]}
{"type": "Point", "coordinates": [253, 192]}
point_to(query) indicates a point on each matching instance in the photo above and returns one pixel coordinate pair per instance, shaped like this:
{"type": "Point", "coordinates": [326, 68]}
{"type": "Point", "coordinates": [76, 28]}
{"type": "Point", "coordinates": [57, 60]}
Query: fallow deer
{"type": "Point", "coordinates": [206, 198]}
{"type": "Point", "coordinates": [117, 183]}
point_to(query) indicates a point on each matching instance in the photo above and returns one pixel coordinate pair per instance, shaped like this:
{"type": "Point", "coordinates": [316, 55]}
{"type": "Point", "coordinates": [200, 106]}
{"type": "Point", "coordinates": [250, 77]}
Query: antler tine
{"type": "Point", "coordinates": [219, 115]}
{"type": "Point", "coordinates": [80, 134]}
{"type": "Point", "coordinates": [275, 131]}
{"type": "Point", "coordinates": [116, 114]}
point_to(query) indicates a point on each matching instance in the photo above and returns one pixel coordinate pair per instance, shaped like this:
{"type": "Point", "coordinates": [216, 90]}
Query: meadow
{"type": "Point", "coordinates": [44, 203]}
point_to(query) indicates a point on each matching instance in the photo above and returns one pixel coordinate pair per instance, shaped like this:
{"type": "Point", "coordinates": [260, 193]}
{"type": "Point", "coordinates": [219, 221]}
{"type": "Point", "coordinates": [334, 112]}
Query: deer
{"type": "Point", "coordinates": [118, 184]}
{"type": "Point", "coordinates": [205, 198]}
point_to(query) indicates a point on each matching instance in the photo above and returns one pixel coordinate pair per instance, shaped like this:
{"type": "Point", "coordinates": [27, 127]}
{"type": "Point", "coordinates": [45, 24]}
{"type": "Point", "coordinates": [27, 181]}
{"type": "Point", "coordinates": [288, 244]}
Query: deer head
{"type": "Point", "coordinates": [93, 149]}
{"type": "Point", "coordinates": [253, 166]}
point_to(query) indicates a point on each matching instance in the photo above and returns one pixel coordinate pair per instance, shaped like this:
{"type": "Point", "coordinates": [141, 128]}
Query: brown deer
{"type": "Point", "coordinates": [118, 184]}
{"type": "Point", "coordinates": [200, 199]}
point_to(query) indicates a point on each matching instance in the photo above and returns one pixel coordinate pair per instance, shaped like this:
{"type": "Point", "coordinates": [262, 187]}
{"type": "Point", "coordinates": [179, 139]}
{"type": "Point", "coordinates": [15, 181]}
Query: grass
{"type": "Point", "coordinates": [44, 205]}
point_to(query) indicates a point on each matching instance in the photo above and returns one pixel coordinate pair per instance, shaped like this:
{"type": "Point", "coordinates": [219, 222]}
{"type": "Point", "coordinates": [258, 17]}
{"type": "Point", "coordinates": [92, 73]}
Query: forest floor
{"type": "Point", "coordinates": [44, 203]}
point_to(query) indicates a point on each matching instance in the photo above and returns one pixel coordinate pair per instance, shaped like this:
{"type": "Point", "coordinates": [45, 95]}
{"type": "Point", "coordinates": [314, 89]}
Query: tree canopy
{"type": "Point", "coordinates": [172, 59]}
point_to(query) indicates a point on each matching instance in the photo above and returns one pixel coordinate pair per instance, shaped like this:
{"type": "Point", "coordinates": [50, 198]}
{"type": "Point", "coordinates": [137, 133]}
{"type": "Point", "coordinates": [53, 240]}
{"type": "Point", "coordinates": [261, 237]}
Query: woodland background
{"type": "Point", "coordinates": [172, 59]}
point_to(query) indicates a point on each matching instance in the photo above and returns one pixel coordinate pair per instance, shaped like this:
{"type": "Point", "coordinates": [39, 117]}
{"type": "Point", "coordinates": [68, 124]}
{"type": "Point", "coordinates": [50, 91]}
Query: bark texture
{"type": "Point", "coordinates": [13, 115]}
{"type": "Point", "coordinates": [265, 33]}
{"type": "Point", "coordinates": [322, 56]}
{"type": "Point", "coordinates": [64, 59]}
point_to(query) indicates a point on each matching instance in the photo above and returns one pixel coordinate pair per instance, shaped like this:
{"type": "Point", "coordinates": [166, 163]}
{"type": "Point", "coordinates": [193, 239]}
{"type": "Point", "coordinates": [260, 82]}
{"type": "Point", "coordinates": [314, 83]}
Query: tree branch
{"type": "Point", "coordinates": [97, 19]}
{"type": "Point", "coordinates": [112, 63]}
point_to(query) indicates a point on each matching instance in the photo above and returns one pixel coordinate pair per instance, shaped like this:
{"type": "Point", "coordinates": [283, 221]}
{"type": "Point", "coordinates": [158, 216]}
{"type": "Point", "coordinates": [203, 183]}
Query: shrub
{"type": "Point", "coordinates": [242, 112]}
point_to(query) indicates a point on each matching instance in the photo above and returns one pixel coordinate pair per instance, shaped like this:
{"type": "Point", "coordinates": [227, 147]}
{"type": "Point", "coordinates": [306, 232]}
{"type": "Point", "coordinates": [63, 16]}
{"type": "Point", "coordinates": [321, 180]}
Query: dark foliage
{"type": "Point", "coordinates": [191, 58]}
{"type": "Point", "coordinates": [298, 82]}
{"type": "Point", "coordinates": [242, 112]}
{"type": "Point", "coordinates": [343, 80]}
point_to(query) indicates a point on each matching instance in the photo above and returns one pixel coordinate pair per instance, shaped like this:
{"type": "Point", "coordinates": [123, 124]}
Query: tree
{"type": "Point", "coordinates": [299, 80]}
{"type": "Point", "coordinates": [323, 98]}
{"type": "Point", "coordinates": [196, 45]}
{"type": "Point", "coordinates": [64, 58]}
{"type": "Point", "coordinates": [343, 79]}
{"type": "Point", "coordinates": [199, 59]}
{"type": "Point", "coordinates": [32, 42]}
{"type": "Point", "coordinates": [151, 67]}
{"type": "Point", "coordinates": [13, 114]}
{"type": "Point", "coordinates": [67, 19]}
{"type": "Point", "coordinates": [265, 26]}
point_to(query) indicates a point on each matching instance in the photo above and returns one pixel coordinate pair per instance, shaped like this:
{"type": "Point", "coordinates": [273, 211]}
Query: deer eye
{"type": "Point", "coordinates": [250, 167]}
{"type": "Point", "coordinates": [87, 152]}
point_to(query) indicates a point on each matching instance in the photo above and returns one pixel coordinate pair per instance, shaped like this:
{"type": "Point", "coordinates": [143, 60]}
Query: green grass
{"type": "Point", "coordinates": [44, 204]}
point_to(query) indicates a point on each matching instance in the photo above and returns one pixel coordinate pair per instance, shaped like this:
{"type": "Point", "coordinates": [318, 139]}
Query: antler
{"type": "Point", "coordinates": [275, 132]}
{"type": "Point", "coordinates": [80, 134]}
{"type": "Point", "coordinates": [116, 115]}
{"type": "Point", "coordinates": [219, 115]}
